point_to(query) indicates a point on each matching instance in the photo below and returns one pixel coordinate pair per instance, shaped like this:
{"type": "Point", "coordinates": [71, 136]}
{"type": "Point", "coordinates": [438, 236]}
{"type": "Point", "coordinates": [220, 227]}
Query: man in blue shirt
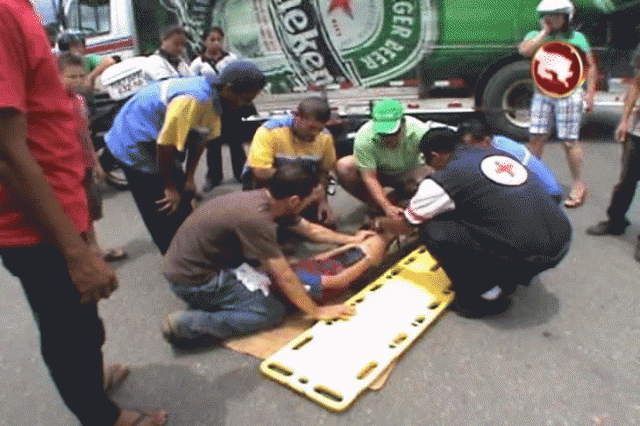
{"type": "Point", "coordinates": [162, 123]}
{"type": "Point", "coordinates": [478, 132]}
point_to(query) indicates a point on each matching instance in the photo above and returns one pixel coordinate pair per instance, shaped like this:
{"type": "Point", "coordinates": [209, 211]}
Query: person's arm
{"type": "Point", "coordinates": [394, 225]}
{"type": "Point", "coordinates": [184, 113]}
{"type": "Point", "coordinates": [529, 46]}
{"type": "Point", "coordinates": [429, 201]}
{"type": "Point", "coordinates": [262, 155]}
{"type": "Point", "coordinates": [167, 155]}
{"type": "Point", "coordinates": [197, 143]}
{"type": "Point", "coordinates": [21, 175]}
{"type": "Point", "coordinates": [103, 65]}
{"type": "Point", "coordinates": [629, 112]}
{"type": "Point", "coordinates": [376, 190]}
{"type": "Point", "coordinates": [320, 234]}
{"type": "Point", "coordinates": [262, 174]}
{"type": "Point", "coordinates": [288, 282]}
{"type": "Point", "coordinates": [592, 78]}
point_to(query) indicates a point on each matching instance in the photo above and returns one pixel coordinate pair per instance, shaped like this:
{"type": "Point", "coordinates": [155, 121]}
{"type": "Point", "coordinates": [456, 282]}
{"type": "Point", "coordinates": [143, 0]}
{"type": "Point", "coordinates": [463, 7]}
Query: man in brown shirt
{"type": "Point", "coordinates": [210, 262]}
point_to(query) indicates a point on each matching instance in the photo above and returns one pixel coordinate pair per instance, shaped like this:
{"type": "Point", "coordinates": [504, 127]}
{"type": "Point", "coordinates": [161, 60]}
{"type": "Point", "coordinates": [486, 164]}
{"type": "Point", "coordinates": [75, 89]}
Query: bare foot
{"type": "Point", "coordinates": [114, 375]}
{"type": "Point", "coordinates": [138, 418]}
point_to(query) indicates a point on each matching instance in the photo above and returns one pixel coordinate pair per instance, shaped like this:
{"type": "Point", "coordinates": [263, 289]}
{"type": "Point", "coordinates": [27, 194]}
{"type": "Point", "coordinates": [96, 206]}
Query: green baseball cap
{"type": "Point", "coordinates": [387, 116]}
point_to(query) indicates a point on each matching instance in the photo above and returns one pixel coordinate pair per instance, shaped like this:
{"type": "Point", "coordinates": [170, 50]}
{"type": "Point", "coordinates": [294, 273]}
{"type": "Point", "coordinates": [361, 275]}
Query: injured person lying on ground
{"type": "Point", "coordinates": [225, 258]}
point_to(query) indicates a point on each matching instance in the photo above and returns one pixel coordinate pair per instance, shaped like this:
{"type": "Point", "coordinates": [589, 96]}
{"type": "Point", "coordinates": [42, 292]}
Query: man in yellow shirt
{"type": "Point", "coordinates": [155, 129]}
{"type": "Point", "coordinates": [298, 138]}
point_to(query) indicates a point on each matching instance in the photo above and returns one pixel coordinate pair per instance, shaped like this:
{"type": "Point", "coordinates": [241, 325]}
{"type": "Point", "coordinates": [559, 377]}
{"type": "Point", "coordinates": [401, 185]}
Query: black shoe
{"type": "Point", "coordinates": [480, 308]}
{"type": "Point", "coordinates": [608, 228]}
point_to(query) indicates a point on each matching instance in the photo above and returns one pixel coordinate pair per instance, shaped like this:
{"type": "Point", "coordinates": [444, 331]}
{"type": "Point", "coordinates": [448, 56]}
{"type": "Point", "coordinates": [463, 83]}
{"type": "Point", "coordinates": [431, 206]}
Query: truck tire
{"type": "Point", "coordinates": [506, 101]}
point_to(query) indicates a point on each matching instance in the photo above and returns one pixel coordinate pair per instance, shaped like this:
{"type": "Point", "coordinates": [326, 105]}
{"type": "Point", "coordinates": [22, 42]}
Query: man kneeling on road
{"type": "Point", "coordinates": [386, 154]}
{"type": "Point", "coordinates": [487, 219]}
{"type": "Point", "coordinates": [210, 261]}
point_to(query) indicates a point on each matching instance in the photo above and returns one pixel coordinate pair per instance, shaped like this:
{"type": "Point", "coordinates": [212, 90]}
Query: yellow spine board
{"type": "Point", "coordinates": [334, 361]}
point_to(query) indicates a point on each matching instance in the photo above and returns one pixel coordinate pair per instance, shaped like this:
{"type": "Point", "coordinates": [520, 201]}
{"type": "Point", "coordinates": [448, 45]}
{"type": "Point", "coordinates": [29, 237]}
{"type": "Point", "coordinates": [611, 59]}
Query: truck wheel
{"type": "Point", "coordinates": [507, 100]}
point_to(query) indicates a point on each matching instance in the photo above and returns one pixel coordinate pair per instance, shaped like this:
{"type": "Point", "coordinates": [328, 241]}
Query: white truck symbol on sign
{"type": "Point", "coordinates": [554, 64]}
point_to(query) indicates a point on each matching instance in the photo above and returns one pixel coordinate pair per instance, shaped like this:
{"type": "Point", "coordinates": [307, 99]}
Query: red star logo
{"type": "Point", "coordinates": [504, 168]}
{"type": "Point", "coordinates": [345, 5]}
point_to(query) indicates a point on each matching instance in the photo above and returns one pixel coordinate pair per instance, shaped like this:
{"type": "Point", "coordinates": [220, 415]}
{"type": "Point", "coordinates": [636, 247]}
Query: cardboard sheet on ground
{"type": "Point", "coordinates": [334, 361]}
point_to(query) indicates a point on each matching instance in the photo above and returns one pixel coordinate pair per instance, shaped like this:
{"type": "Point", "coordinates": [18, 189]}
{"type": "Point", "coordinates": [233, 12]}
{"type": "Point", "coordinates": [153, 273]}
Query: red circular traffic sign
{"type": "Point", "coordinates": [558, 68]}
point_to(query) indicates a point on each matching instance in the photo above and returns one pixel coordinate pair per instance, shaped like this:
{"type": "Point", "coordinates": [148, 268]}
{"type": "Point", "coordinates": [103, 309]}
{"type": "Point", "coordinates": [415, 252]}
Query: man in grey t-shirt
{"type": "Point", "coordinates": [627, 133]}
{"type": "Point", "coordinates": [210, 262]}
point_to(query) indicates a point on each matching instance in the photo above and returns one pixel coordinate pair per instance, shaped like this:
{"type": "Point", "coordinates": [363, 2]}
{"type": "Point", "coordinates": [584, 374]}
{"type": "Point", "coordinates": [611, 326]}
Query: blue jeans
{"type": "Point", "coordinates": [224, 307]}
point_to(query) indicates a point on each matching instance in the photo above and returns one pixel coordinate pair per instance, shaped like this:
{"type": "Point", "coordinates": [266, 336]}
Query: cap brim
{"type": "Point", "coordinates": [387, 127]}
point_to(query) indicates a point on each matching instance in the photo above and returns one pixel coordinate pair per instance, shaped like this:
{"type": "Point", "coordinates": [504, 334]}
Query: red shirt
{"type": "Point", "coordinates": [29, 83]}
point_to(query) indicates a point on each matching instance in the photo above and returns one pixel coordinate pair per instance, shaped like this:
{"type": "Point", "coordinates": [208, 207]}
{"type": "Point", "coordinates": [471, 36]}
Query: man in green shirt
{"type": "Point", "coordinates": [386, 154]}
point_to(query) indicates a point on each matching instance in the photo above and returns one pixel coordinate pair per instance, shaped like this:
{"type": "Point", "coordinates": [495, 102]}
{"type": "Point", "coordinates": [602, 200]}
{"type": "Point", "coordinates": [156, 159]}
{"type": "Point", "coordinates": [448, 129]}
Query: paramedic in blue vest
{"type": "Point", "coordinates": [478, 132]}
{"type": "Point", "coordinates": [162, 123]}
{"type": "Point", "coordinates": [486, 218]}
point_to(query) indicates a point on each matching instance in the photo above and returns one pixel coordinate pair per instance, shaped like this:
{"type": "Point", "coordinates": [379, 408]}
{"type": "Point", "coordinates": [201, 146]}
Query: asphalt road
{"type": "Point", "coordinates": [566, 353]}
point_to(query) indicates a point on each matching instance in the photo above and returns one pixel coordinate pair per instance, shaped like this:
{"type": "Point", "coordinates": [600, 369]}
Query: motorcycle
{"type": "Point", "coordinates": [102, 116]}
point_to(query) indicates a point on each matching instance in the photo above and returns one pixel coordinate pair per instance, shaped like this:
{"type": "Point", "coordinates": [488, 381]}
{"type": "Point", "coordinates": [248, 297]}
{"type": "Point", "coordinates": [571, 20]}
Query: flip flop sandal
{"type": "Point", "coordinates": [114, 376]}
{"type": "Point", "coordinates": [114, 254]}
{"type": "Point", "coordinates": [575, 201]}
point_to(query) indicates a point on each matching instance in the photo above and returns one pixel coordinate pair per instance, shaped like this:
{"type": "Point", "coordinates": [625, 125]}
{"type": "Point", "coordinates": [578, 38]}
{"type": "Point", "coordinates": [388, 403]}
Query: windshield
{"type": "Point", "coordinates": [89, 16]}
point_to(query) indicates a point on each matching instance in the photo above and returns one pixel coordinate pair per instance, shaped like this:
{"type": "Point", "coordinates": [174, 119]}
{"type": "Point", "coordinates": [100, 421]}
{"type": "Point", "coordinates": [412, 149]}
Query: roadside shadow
{"type": "Point", "coordinates": [530, 306]}
{"type": "Point", "coordinates": [135, 249]}
{"type": "Point", "coordinates": [189, 398]}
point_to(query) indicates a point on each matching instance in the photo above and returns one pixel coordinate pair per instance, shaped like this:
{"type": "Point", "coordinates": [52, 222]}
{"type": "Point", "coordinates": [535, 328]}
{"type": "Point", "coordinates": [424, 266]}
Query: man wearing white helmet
{"type": "Point", "coordinates": [556, 16]}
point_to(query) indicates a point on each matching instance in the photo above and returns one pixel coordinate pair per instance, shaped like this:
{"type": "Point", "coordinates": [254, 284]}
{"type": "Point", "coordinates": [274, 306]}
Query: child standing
{"type": "Point", "coordinates": [73, 76]}
{"type": "Point", "coordinates": [211, 62]}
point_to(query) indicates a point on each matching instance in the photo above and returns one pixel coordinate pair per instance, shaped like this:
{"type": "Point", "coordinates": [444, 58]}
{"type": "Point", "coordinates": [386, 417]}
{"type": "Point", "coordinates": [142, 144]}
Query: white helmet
{"type": "Point", "coordinates": [557, 6]}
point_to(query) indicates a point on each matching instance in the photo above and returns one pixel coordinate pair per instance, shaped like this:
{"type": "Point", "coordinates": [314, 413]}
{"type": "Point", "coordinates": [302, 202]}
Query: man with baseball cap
{"type": "Point", "coordinates": [386, 154]}
{"type": "Point", "coordinates": [155, 129]}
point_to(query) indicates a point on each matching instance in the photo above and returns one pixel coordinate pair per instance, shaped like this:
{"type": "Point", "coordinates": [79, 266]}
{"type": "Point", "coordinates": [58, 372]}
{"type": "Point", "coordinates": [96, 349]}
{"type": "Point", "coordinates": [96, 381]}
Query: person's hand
{"type": "Point", "coordinates": [393, 211]}
{"type": "Point", "coordinates": [588, 102]}
{"type": "Point", "coordinates": [545, 24]}
{"type": "Point", "coordinates": [363, 235]}
{"type": "Point", "coordinates": [330, 312]}
{"type": "Point", "coordinates": [622, 131]}
{"type": "Point", "coordinates": [170, 202]}
{"type": "Point", "coordinates": [92, 277]}
{"type": "Point", "coordinates": [99, 174]}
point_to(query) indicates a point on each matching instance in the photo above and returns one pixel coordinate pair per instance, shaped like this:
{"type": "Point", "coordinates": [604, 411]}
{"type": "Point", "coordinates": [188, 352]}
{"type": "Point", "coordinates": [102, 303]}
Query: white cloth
{"type": "Point", "coordinates": [160, 68]}
{"type": "Point", "coordinates": [200, 67]}
{"type": "Point", "coordinates": [429, 201]}
{"type": "Point", "coordinates": [252, 279]}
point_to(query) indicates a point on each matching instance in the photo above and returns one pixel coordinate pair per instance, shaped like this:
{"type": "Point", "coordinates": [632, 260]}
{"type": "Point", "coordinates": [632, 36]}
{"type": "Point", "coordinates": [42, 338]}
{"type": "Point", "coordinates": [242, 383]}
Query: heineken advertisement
{"type": "Point", "coordinates": [298, 43]}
